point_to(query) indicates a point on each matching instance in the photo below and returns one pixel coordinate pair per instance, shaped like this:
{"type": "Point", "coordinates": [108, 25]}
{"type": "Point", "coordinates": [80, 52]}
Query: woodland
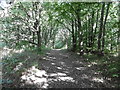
{"type": "Point", "coordinates": [60, 45]}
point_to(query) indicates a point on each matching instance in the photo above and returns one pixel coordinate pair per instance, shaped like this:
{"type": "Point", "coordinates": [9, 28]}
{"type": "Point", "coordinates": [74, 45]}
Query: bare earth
{"type": "Point", "coordinates": [59, 69]}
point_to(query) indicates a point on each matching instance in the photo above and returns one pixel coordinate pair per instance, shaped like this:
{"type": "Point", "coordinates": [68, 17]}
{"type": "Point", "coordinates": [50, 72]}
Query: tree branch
{"type": "Point", "coordinates": [65, 26]}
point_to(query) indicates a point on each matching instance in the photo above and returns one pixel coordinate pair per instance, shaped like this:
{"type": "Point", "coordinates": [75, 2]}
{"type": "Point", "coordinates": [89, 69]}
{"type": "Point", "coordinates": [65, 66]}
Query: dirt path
{"type": "Point", "coordinates": [62, 69]}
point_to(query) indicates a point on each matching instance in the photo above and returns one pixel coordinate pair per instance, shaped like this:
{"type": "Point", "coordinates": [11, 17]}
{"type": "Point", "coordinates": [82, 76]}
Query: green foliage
{"type": "Point", "coordinates": [2, 44]}
{"type": "Point", "coordinates": [21, 44]}
{"type": "Point", "coordinates": [58, 24]}
{"type": "Point", "coordinates": [114, 67]}
{"type": "Point", "coordinates": [9, 63]}
{"type": "Point", "coordinates": [59, 44]}
{"type": "Point", "coordinates": [108, 65]}
{"type": "Point", "coordinates": [17, 63]}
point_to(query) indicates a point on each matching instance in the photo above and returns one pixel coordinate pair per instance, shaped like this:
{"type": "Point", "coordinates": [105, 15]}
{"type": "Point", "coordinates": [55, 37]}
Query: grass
{"type": "Point", "coordinates": [108, 65]}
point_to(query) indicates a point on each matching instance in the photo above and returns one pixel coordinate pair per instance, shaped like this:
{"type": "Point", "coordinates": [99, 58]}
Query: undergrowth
{"type": "Point", "coordinates": [109, 65]}
{"type": "Point", "coordinates": [16, 63]}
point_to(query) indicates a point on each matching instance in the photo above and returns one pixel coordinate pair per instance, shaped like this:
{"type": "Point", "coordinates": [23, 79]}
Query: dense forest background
{"type": "Point", "coordinates": [84, 28]}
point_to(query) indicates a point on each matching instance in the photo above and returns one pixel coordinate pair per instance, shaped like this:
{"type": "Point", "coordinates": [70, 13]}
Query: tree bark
{"type": "Point", "coordinates": [101, 27]}
{"type": "Point", "coordinates": [96, 27]}
{"type": "Point", "coordinates": [38, 39]}
{"type": "Point", "coordinates": [39, 30]}
{"type": "Point", "coordinates": [92, 25]}
{"type": "Point", "coordinates": [79, 31]}
{"type": "Point", "coordinates": [73, 37]}
{"type": "Point", "coordinates": [103, 37]}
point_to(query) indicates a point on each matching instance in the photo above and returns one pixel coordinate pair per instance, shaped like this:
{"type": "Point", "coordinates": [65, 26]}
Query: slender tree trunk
{"type": "Point", "coordinates": [33, 37]}
{"type": "Point", "coordinates": [111, 45]}
{"type": "Point", "coordinates": [89, 36]}
{"type": "Point", "coordinates": [18, 34]}
{"type": "Point", "coordinates": [92, 25]}
{"type": "Point", "coordinates": [38, 39]}
{"type": "Point", "coordinates": [73, 37]}
{"type": "Point", "coordinates": [101, 27]}
{"type": "Point", "coordinates": [54, 41]}
{"type": "Point", "coordinates": [96, 27]}
{"type": "Point", "coordinates": [103, 37]}
{"type": "Point", "coordinates": [80, 31]}
{"type": "Point", "coordinates": [75, 34]}
{"type": "Point", "coordinates": [39, 30]}
{"type": "Point", "coordinates": [86, 35]}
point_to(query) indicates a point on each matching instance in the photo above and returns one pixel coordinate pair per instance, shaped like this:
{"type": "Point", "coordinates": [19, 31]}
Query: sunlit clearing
{"type": "Point", "coordinates": [35, 76]}
{"type": "Point", "coordinates": [98, 79]}
{"type": "Point", "coordinates": [65, 47]}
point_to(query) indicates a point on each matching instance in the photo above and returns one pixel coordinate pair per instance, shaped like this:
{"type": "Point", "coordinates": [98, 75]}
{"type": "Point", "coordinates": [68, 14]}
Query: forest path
{"type": "Point", "coordinates": [65, 69]}
{"type": "Point", "coordinates": [58, 69]}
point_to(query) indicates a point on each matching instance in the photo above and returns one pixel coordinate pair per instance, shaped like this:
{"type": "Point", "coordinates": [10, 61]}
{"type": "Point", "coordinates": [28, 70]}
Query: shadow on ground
{"type": "Point", "coordinates": [55, 69]}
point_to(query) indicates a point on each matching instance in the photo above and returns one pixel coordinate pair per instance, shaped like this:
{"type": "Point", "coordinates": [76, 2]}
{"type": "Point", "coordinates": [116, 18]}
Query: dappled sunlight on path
{"type": "Point", "coordinates": [58, 69]}
{"type": "Point", "coordinates": [67, 70]}
{"type": "Point", "coordinates": [42, 79]}
{"type": "Point", "coordinates": [35, 76]}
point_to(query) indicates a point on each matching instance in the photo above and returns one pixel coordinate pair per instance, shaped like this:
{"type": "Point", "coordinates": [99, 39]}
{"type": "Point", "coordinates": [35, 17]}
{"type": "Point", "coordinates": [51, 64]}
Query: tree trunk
{"type": "Point", "coordinates": [39, 30]}
{"type": "Point", "coordinates": [86, 37]}
{"type": "Point", "coordinates": [89, 35]}
{"type": "Point", "coordinates": [33, 37]}
{"type": "Point", "coordinates": [75, 34]}
{"type": "Point", "coordinates": [96, 27]}
{"type": "Point", "coordinates": [38, 39]}
{"type": "Point", "coordinates": [73, 37]}
{"type": "Point", "coordinates": [18, 35]}
{"type": "Point", "coordinates": [111, 45]}
{"type": "Point", "coordinates": [80, 32]}
{"type": "Point", "coordinates": [101, 27]}
{"type": "Point", "coordinates": [103, 37]}
{"type": "Point", "coordinates": [92, 25]}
